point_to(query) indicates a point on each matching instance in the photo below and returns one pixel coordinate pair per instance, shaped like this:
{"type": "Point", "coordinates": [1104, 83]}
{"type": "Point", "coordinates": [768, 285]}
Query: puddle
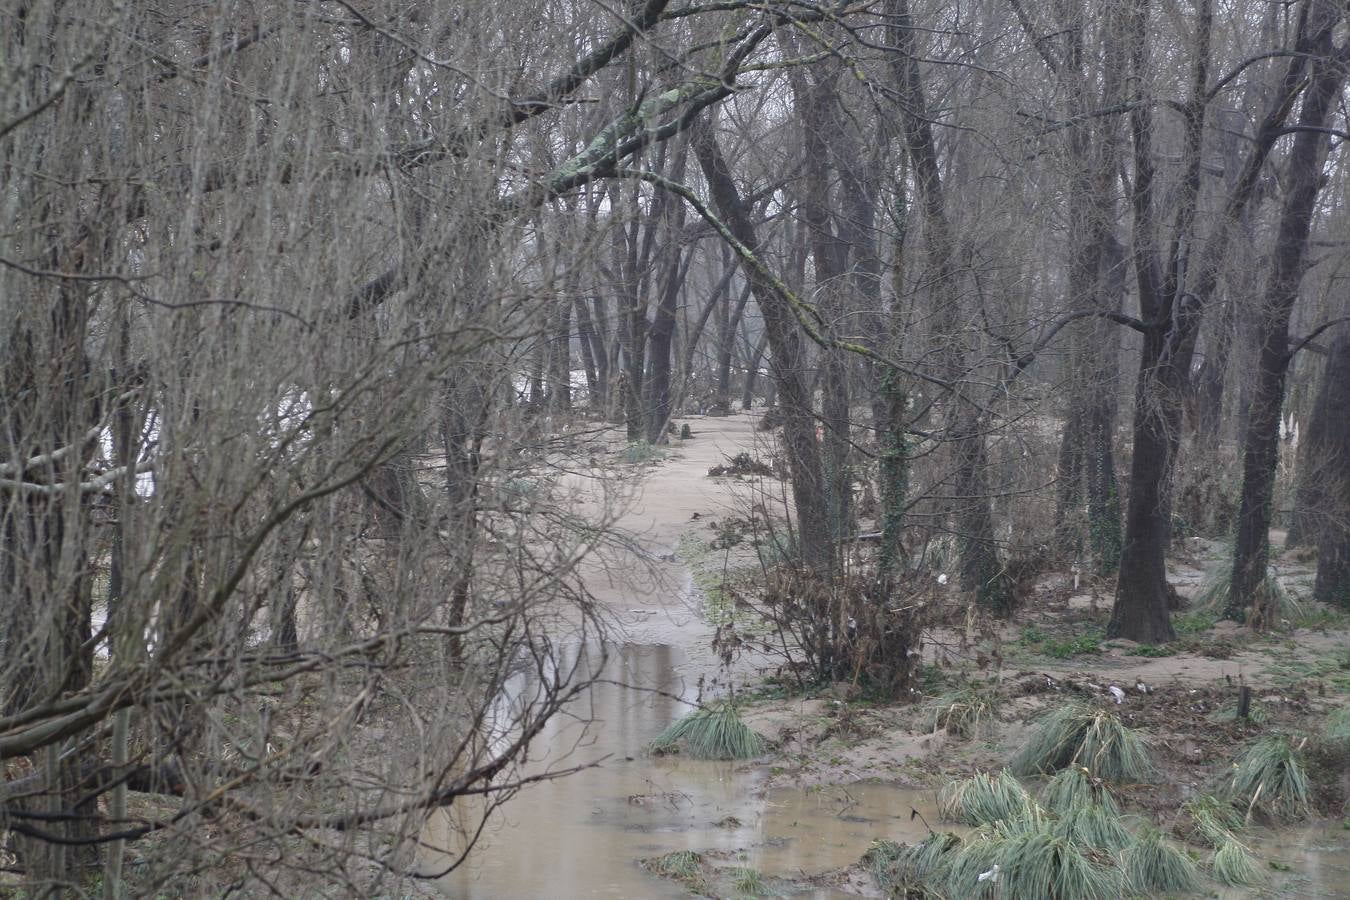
{"type": "Point", "coordinates": [1312, 861]}
{"type": "Point", "coordinates": [581, 836]}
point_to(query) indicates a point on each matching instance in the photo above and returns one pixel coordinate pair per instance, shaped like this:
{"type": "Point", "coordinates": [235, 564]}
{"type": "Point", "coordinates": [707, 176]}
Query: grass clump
{"type": "Point", "coordinates": [1032, 861]}
{"type": "Point", "coordinates": [903, 868]}
{"type": "Point", "coordinates": [682, 864]}
{"type": "Point", "coordinates": [1213, 820]}
{"type": "Point", "coordinates": [964, 712]}
{"type": "Point", "coordinates": [713, 732]}
{"type": "Point", "coordinates": [1086, 811]}
{"type": "Point", "coordinates": [1093, 825]}
{"type": "Point", "coordinates": [1079, 735]}
{"type": "Point", "coordinates": [983, 798]}
{"type": "Point", "coordinates": [641, 453]}
{"type": "Point", "coordinates": [748, 882]}
{"type": "Point", "coordinates": [1338, 725]}
{"type": "Point", "coordinates": [1076, 788]}
{"type": "Point", "coordinates": [1153, 866]}
{"type": "Point", "coordinates": [1234, 865]}
{"type": "Point", "coordinates": [1213, 596]}
{"type": "Point", "coordinates": [1256, 714]}
{"type": "Point", "coordinates": [1270, 778]}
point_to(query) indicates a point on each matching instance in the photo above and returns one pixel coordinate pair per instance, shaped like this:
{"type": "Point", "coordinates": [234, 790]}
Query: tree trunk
{"type": "Point", "coordinates": [660, 340]}
{"type": "Point", "coordinates": [752, 371]}
{"type": "Point", "coordinates": [1333, 512]}
{"type": "Point", "coordinates": [560, 356]}
{"type": "Point", "coordinates": [595, 397]}
{"type": "Point", "coordinates": [1247, 597]}
{"type": "Point", "coordinates": [803, 453]}
{"type": "Point", "coordinates": [830, 255]}
{"type": "Point", "coordinates": [726, 346]}
{"type": "Point", "coordinates": [1172, 314]}
{"type": "Point", "coordinates": [982, 571]}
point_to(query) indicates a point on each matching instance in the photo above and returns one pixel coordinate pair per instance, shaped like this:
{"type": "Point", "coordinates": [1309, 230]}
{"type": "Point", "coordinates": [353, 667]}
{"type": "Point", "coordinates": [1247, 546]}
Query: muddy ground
{"type": "Point", "coordinates": [836, 741]}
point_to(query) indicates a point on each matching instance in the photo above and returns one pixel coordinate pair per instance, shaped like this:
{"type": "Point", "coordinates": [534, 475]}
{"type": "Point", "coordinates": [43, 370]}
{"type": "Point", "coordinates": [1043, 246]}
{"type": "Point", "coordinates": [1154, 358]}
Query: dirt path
{"type": "Point", "coordinates": [649, 594]}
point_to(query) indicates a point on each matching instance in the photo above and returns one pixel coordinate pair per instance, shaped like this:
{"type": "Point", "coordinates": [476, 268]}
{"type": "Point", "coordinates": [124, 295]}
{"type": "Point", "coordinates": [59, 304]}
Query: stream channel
{"type": "Point", "coordinates": [582, 835]}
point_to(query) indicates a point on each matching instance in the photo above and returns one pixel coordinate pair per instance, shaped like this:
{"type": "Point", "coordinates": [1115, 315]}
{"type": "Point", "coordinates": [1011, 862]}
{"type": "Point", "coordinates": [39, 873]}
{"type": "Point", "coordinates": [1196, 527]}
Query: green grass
{"type": "Point", "coordinates": [1086, 811]}
{"type": "Point", "coordinates": [1194, 622]}
{"type": "Point", "coordinates": [1212, 598]}
{"type": "Point", "coordinates": [682, 864]}
{"type": "Point", "coordinates": [1154, 866]}
{"type": "Point", "coordinates": [1075, 788]}
{"type": "Point", "coordinates": [1033, 861]}
{"type": "Point", "coordinates": [1079, 735]}
{"type": "Point", "coordinates": [1269, 778]}
{"type": "Point", "coordinates": [1233, 864]}
{"type": "Point", "coordinates": [1037, 641]}
{"type": "Point", "coordinates": [1338, 725]}
{"type": "Point", "coordinates": [964, 712]}
{"type": "Point", "coordinates": [1214, 821]}
{"type": "Point", "coordinates": [1093, 825]}
{"type": "Point", "coordinates": [748, 882]}
{"type": "Point", "coordinates": [713, 732]}
{"type": "Point", "coordinates": [899, 868]}
{"type": "Point", "coordinates": [983, 798]}
{"type": "Point", "coordinates": [641, 453]}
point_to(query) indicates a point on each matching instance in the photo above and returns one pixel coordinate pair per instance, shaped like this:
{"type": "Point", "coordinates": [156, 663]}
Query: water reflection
{"type": "Point", "coordinates": [580, 836]}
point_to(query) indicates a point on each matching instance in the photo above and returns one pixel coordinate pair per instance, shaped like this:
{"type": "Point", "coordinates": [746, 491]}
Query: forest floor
{"type": "Point", "coordinates": [1182, 696]}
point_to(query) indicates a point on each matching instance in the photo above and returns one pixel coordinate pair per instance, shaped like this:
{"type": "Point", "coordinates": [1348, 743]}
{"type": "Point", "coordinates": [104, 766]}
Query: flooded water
{"type": "Point", "coordinates": [1310, 861]}
{"type": "Point", "coordinates": [581, 836]}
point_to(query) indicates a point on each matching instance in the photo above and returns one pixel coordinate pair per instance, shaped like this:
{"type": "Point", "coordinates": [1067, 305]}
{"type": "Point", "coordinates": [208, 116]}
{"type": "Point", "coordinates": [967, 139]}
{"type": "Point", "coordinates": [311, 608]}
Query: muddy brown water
{"type": "Point", "coordinates": [582, 835]}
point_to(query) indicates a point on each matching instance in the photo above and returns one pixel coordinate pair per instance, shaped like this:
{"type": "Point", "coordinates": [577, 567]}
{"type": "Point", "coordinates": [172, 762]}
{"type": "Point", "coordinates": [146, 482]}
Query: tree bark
{"type": "Point", "coordinates": [815, 547]}
{"type": "Point", "coordinates": [982, 571]}
{"type": "Point", "coordinates": [814, 104]}
{"type": "Point", "coordinates": [1247, 596]}
{"type": "Point", "coordinates": [1333, 512]}
{"type": "Point", "coordinates": [1172, 314]}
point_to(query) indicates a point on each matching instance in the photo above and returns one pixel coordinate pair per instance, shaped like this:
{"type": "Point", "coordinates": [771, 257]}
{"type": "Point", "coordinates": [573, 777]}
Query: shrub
{"type": "Point", "coordinates": [983, 798]}
{"type": "Point", "coordinates": [1234, 865]}
{"type": "Point", "coordinates": [1153, 865]}
{"type": "Point", "coordinates": [713, 732]}
{"type": "Point", "coordinates": [1075, 788]}
{"type": "Point", "coordinates": [1079, 735]}
{"type": "Point", "coordinates": [1270, 778]}
{"type": "Point", "coordinates": [1025, 857]}
{"type": "Point", "coordinates": [898, 868]}
{"type": "Point", "coordinates": [681, 864]}
{"type": "Point", "coordinates": [1214, 592]}
{"type": "Point", "coordinates": [964, 712]}
{"type": "Point", "coordinates": [1213, 820]}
